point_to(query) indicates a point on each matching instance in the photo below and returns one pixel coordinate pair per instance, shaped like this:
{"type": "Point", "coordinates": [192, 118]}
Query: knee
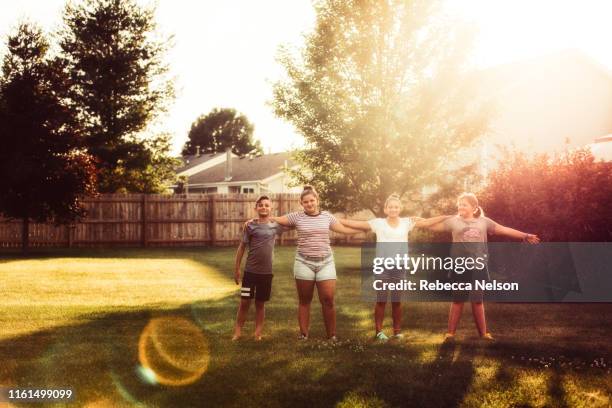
{"type": "Point", "coordinates": [259, 304]}
{"type": "Point", "coordinates": [305, 302]}
{"type": "Point", "coordinates": [245, 304]}
{"type": "Point", "coordinates": [327, 302]}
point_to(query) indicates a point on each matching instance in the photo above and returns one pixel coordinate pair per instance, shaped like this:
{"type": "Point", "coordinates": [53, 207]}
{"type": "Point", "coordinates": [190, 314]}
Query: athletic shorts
{"type": "Point", "coordinates": [470, 276]}
{"type": "Point", "coordinates": [257, 286]}
{"type": "Point", "coordinates": [314, 269]}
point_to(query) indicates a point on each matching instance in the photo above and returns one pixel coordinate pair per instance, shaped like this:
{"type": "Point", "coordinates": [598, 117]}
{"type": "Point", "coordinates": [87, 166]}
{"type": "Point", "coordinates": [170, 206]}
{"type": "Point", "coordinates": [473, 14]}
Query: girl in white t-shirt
{"type": "Point", "coordinates": [391, 229]}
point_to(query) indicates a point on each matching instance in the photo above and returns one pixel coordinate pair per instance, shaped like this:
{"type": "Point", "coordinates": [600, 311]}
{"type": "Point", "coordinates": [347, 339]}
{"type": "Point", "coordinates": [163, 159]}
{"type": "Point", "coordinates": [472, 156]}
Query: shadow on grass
{"type": "Point", "coordinates": [99, 360]}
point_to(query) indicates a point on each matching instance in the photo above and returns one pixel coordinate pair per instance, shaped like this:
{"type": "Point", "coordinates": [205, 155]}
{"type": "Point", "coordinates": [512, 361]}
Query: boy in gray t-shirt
{"type": "Point", "coordinates": [259, 236]}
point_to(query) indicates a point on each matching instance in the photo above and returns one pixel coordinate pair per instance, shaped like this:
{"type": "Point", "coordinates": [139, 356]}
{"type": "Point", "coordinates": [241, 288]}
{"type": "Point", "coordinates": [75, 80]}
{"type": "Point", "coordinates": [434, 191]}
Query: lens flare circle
{"type": "Point", "coordinates": [174, 349]}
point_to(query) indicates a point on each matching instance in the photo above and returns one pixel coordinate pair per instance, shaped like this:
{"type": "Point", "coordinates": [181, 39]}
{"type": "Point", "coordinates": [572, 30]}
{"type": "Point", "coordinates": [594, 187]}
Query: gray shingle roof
{"type": "Point", "coordinates": [193, 160]}
{"type": "Point", "coordinates": [245, 169]}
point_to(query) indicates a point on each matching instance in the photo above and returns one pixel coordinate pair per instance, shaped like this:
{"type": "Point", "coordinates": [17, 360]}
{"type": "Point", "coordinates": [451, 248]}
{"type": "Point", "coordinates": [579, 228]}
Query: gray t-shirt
{"type": "Point", "coordinates": [469, 235]}
{"type": "Point", "coordinates": [260, 238]}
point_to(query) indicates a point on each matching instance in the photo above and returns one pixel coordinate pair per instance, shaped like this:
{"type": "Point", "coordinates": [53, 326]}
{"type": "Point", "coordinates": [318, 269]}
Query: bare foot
{"type": "Point", "coordinates": [487, 337]}
{"type": "Point", "coordinates": [236, 337]}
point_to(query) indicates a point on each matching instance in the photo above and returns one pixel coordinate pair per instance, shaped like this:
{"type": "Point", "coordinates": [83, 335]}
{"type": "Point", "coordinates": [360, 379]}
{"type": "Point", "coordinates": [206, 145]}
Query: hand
{"type": "Point", "coordinates": [532, 238]}
{"type": "Point", "coordinates": [237, 277]}
{"type": "Point", "coordinates": [246, 223]}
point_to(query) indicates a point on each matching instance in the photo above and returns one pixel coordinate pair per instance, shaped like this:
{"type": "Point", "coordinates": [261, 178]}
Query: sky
{"type": "Point", "coordinates": [224, 52]}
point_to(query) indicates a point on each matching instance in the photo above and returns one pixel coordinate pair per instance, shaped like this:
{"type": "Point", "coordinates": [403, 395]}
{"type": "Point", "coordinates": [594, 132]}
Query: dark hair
{"type": "Point", "coordinates": [308, 189]}
{"type": "Point", "coordinates": [261, 198]}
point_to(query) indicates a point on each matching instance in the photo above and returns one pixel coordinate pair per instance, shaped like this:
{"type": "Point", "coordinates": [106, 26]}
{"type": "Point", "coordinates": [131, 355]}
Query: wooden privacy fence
{"type": "Point", "coordinates": [150, 220]}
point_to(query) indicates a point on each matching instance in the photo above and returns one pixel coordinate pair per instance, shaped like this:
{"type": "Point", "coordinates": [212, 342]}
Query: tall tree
{"type": "Point", "coordinates": [119, 85]}
{"type": "Point", "coordinates": [378, 93]}
{"type": "Point", "coordinates": [44, 170]}
{"type": "Point", "coordinates": [220, 129]}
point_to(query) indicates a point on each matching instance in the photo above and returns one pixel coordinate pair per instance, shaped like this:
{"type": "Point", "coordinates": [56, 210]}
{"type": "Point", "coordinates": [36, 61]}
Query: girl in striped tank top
{"type": "Point", "coordinates": [314, 262]}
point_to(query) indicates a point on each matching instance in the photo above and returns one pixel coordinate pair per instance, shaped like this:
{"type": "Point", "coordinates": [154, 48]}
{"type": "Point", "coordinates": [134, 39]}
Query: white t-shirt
{"type": "Point", "coordinates": [386, 233]}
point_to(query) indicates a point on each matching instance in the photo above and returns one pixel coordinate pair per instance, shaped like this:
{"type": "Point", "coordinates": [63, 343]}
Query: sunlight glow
{"type": "Point", "coordinates": [224, 53]}
{"type": "Point", "coordinates": [40, 294]}
{"type": "Point", "coordinates": [522, 29]}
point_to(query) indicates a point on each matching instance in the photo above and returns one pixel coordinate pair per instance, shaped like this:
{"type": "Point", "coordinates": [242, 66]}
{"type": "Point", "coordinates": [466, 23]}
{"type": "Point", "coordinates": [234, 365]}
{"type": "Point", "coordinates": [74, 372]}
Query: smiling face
{"type": "Point", "coordinates": [263, 208]}
{"type": "Point", "coordinates": [465, 209]}
{"type": "Point", "coordinates": [393, 208]}
{"type": "Point", "coordinates": [310, 204]}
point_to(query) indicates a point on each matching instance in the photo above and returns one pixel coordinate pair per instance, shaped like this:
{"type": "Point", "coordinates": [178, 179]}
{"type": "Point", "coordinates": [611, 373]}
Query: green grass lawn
{"type": "Point", "coordinates": [77, 317]}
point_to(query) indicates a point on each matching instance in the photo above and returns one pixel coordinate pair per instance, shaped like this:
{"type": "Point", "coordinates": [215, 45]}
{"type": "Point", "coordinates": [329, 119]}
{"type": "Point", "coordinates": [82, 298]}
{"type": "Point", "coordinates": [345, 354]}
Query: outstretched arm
{"type": "Point", "coordinates": [355, 224]}
{"type": "Point", "coordinates": [434, 224]}
{"type": "Point", "coordinates": [338, 227]}
{"type": "Point", "coordinates": [512, 233]}
{"type": "Point", "coordinates": [429, 222]}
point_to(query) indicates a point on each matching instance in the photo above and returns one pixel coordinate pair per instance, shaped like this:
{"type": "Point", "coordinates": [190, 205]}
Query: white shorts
{"type": "Point", "coordinates": [314, 269]}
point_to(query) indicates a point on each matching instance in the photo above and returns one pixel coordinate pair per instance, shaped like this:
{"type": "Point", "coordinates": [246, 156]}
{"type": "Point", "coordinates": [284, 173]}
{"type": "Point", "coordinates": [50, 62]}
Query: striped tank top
{"type": "Point", "coordinates": [313, 232]}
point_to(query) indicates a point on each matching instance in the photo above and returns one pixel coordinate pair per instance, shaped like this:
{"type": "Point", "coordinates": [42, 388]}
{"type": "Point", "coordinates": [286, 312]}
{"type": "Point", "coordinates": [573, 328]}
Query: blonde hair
{"type": "Point", "coordinates": [473, 201]}
{"type": "Point", "coordinates": [393, 197]}
{"type": "Point", "coordinates": [308, 189]}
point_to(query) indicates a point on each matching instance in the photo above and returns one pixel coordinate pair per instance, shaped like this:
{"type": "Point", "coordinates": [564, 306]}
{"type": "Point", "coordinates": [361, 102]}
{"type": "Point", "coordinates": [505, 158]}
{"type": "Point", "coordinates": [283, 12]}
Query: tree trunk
{"type": "Point", "coordinates": [25, 236]}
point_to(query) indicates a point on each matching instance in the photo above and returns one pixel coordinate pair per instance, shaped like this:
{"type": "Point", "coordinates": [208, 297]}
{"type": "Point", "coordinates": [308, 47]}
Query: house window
{"type": "Point", "coordinates": [233, 189]}
{"type": "Point", "coordinates": [248, 190]}
{"type": "Point", "coordinates": [203, 190]}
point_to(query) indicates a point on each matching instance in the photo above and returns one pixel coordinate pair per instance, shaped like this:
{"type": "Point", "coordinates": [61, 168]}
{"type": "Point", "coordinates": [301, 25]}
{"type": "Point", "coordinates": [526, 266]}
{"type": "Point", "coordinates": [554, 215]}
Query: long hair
{"type": "Point", "coordinates": [471, 198]}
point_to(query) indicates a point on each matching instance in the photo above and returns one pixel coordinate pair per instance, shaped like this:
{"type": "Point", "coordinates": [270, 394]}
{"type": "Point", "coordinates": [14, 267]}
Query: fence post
{"type": "Point", "coordinates": [144, 220]}
{"type": "Point", "coordinates": [213, 219]}
{"type": "Point", "coordinates": [70, 233]}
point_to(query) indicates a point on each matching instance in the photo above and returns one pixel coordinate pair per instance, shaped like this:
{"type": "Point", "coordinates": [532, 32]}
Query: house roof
{"type": "Point", "coordinates": [245, 169]}
{"type": "Point", "coordinates": [602, 148]}
{"type": "Point", "coordinates": [193, 160]}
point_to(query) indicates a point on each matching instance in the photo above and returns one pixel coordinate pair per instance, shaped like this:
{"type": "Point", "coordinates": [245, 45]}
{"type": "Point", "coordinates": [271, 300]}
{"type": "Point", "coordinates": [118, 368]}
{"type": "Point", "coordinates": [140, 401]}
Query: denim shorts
{"type": "Point", "coordinates": [314, 269]}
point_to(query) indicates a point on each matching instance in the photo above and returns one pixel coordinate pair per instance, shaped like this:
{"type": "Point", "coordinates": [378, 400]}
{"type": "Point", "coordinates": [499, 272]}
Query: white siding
{"type": "Point", "coordinates": [281, 185]}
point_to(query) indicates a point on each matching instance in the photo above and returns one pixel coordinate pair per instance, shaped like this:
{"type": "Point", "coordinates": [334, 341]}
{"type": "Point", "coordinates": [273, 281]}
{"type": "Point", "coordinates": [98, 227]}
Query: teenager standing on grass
{"type": "Point", "coordinates": [259, 235]}
{"type": "Point", "coordinates": [314, 261]}
{"type": "Point", "coordinates": [469, 229]}
{"type": "Point", "coordinates": [391, 239]}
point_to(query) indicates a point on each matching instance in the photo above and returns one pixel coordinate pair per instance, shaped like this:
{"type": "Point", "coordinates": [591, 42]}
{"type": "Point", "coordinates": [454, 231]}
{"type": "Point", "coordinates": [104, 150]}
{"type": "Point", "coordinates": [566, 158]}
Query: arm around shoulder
{"type": "Point", "coordinates": [282, 220]}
